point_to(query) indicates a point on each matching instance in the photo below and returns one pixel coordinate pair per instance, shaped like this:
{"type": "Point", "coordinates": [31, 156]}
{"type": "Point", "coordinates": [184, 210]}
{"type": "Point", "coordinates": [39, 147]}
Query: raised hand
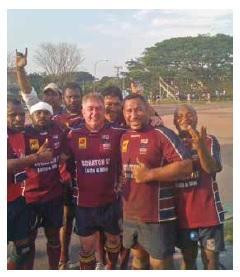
{"type": "Point", "coordinates": [21, 59]}
{"type": "Point", "coordinates": [198, 138]}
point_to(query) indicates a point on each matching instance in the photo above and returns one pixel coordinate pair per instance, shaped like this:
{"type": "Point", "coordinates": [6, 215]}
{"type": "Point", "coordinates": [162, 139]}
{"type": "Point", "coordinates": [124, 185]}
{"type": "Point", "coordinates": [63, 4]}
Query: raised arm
{"type": "Point", "coordinates": [21, 62]}
{"type": "Point", "coordinates": [208, 163]}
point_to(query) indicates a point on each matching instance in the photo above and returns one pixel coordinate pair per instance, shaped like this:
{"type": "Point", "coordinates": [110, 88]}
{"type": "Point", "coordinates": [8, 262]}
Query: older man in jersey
{"type": "Point", "coordinates": [149, 207]}
{"type": "Point", "coordinates": [18, 213]}
{"type": "Point", "coordinates": [95, 148]}
{"type": "Point", "coordinates": [199, 209]}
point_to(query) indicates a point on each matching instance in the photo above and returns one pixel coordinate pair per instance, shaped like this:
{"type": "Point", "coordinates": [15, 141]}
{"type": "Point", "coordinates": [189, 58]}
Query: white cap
{"type": "Point", "coordinates": [53, 87]}
{"type": "Point", "coordinates": [41, 106]}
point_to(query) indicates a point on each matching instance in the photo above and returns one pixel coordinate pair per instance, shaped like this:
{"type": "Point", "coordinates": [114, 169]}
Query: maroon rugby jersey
{"type": "Point", "coordinates": [97, 160]}
{"type": "Point", "coordinates": [15, 149]}
{"type": "Point", "coordinates": [67, 121]}
{"type": "Point", "coordinates": [43, 183]}
{"type": "Point", "coordinates": [152, 201]}
{"type": "Point", "coordinates": [198, 202]}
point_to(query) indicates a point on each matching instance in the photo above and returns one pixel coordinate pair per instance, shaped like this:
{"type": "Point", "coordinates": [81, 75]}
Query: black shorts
{"type": "Point", "coordinates": [158, 239]}
{"type": "Point", "coordinates": [210, 238]}
{"type": "Point", "coordinates": [91, 220]}
{"type": "Point", "coordinates": [48, 214]}
{"type": "Point", "coordinates": [19, 220]}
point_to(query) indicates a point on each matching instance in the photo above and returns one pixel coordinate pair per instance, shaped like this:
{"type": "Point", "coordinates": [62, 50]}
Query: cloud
{"type": "Point", "coordinates": [192, 22]}
{"type": "Point", "coordinates": [142, 14]}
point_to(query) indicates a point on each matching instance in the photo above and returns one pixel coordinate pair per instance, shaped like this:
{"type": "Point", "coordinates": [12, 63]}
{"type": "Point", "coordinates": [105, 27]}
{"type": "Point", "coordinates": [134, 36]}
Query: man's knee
{"type": "Point", "coordinates": [113, 243]}
{"type": "Point", "coordinates": [210, 259]}
{"type": "Point", "coordinates": [140, 262]}
{"type": "Point", "coordinates": [166, 263]}
{"type": "Point", "coordinates": [87, 257]}
{"type": "Point", "coordinates": [189, 258]}
{"type": "Point", "coordinates": [53, 238]}
{"type": "Point", "coordinates": [140, 258]}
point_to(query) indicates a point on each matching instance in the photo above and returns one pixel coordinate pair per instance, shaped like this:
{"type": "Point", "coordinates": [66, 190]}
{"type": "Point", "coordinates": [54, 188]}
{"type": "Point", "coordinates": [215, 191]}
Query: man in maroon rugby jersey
{"type": "Point", "coordinates": [66, 118]}
{"type": "Point", "coordinates": [71, 117]}
{"type": "Point", "coordinates": [149, 218]}
{"type": "Point", "coordinates": [43, 190]}
{"type": "Point", "coordinates": [113, 114]}
{"type": "Point", "coordinates": [199, 209]}
{"type": "Point", "coordinates": [18, 213]}
{"type": "Point", "coordinates": [95, 148]}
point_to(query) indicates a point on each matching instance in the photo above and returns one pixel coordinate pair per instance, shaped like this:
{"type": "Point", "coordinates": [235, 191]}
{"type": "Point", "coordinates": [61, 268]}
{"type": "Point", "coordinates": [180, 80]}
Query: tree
{"type": "Point", "coordinates": [59, 61]}
{"type": "Point", "coordinates": [186, 61]}
{"type": "Point", "coordinates": [38, 81]}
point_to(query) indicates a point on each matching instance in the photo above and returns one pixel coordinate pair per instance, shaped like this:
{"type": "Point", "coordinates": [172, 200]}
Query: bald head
{"type": "Point", "coordinates": [185, 115]}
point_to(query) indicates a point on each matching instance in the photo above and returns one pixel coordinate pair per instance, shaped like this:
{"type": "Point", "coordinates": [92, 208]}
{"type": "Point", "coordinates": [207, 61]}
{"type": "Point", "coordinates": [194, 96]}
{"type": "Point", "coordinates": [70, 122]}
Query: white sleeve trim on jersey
{"type": "Point", "coordinates": [212, 154]}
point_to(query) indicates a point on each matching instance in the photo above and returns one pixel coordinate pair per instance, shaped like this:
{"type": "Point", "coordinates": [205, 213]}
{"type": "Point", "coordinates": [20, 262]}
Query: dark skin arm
{"type": "Point", "coordinates": [207, 162]}
{"type": "Point", "coordinates": [21, 62]}
{"type": "Point", "coordinates": [44, 154]}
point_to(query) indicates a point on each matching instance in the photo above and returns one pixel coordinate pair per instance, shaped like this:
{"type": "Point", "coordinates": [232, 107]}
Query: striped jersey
{"type": "Point", "coordinates": [198, 201]}
{"type": "Point", "coordinates": [155, 147]}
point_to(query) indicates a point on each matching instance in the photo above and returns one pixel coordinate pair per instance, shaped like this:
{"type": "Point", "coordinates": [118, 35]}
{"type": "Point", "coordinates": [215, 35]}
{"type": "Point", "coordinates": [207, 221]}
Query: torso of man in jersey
{"type": "Point", "coordinates": [97, 160]}
{"type": "Point", "coordinates": [67, 121]}
{"type": "Point", "coordinates": [43, 183]}
{"type": "Point", "coordinates": [201, 193]}
{"type": "Point", "coordinates": [15, 149]}
{"type": "Point", "coordinates": [149, 202]}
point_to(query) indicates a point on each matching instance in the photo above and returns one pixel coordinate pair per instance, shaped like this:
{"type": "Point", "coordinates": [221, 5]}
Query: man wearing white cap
{"type": "Point", "coordinates": [43, 190]}
{"type": "Point", "coordinates": [51, 93]}
{"type": "Point", "coordinates": [65, 118]}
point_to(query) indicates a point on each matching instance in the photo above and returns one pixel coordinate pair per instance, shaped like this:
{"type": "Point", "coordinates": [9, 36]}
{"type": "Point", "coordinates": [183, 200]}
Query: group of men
{"type": "Point", "coordinates": [129, 182]}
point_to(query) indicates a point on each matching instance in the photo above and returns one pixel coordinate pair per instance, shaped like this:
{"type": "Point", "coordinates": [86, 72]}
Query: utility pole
{"type": "Point", "coordinates": [118, 68]}
{"type": "Point", "coordinates": [95, 72]}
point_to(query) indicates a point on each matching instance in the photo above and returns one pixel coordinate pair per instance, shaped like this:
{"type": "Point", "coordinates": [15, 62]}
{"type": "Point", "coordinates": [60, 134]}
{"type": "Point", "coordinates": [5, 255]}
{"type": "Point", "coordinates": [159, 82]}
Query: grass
{"type": "Point", "coordinates": [228, 230]}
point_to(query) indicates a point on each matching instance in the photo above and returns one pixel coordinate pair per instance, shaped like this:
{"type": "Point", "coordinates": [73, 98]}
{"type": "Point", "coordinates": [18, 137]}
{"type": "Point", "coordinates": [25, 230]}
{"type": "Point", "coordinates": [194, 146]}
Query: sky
{"type": "Point", "coordinates": [114, 35]}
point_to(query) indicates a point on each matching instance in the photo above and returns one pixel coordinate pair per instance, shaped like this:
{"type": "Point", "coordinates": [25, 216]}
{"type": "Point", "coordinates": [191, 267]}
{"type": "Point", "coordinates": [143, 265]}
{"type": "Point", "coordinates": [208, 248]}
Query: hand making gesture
{"type": "Point", "coordinates": [21, 59]}
{"type": "Point", "coordinates": [198, 138]}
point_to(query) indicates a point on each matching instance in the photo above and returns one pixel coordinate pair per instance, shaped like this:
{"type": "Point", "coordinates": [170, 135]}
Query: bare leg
{"type": "Point", "coordinates": [140, 258]}
{"type": "Point", "coordinates": [87, 252]}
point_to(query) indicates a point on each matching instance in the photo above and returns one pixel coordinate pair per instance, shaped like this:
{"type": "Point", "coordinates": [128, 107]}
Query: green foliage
{"type": "Point", "coordinates": [186, 62]}
{"type": "Point", "coordinates": [106, 82]}
{"type": "Point", "coordinates": [37, 81]}
{"type": "Point", "coordinates": [228, 230]}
